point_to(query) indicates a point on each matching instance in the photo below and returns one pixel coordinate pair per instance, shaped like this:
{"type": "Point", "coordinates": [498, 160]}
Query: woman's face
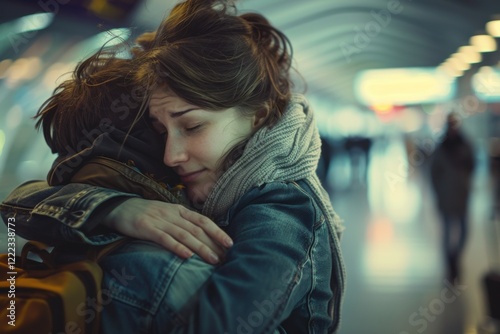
{"type": "Point", "coordinates": [196, 139]}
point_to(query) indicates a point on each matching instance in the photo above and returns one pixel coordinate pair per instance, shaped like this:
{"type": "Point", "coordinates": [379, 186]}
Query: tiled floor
{"type": "Point", "coordinates": [391, 247]}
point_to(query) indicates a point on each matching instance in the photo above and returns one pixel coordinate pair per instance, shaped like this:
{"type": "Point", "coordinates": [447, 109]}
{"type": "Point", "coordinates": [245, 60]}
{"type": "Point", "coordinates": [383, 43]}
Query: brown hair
{"type": "Point", "coordinates": [215, 59]}
{"type": "Point", "coordinates": [203, 52]}
{"type": "Point", "coordinates": [101, 88]}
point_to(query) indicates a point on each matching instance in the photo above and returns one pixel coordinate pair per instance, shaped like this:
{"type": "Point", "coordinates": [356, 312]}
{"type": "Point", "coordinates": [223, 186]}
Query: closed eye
{"type": "Point", "coordinates": [193, 128]}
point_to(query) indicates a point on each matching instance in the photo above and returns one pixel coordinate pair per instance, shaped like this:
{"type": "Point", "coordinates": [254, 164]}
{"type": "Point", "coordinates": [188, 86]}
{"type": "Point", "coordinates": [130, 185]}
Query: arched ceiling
{"type": "Point", "coordinates": [333, 40]}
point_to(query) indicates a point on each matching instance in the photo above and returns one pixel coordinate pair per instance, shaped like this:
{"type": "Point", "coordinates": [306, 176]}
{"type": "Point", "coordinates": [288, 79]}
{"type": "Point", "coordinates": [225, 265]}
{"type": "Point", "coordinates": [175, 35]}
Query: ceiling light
{"type": "Point", "coordinates": [493, 28]}
{"type": "Point", "coordinates": [458, 63]}
{"type": "Point", "coordinates": [470, 54]}
{"type": "Point", "coordinates": [33, 22]}
{"type": "Point", "coordinates": [450, 69]}
{"type": "Point", "coordinates": [483, 43]}
{"type": "Point", "coordinates": [459, 56]}
{"type": "Point", "coordinates": [401, 86]}
{"type": "Point", "coordinates": [485, 69]}
{"type": "Point", "coordinates": [486, 84]}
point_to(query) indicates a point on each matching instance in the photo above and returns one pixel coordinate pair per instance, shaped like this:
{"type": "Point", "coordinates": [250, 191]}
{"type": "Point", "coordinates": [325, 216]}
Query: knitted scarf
{"type": "Point", "coordinates": [289, 151]}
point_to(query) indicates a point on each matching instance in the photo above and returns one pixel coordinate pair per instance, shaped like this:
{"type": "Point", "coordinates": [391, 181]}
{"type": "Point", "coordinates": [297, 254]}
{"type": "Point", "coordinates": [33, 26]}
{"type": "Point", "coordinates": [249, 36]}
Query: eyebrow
{"type": "Point", "coordinates": [180, 113]}
{"type": "Point", "coordinates": [176, 114]}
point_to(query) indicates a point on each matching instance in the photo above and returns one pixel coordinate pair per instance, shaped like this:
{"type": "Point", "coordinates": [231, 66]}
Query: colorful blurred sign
{"type": "Point", "coordinates": [403, 86]}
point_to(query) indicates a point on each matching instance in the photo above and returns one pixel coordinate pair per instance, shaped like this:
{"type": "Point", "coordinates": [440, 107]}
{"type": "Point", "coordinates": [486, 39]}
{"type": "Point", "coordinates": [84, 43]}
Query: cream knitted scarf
{"type": "Point", "coordinates": [289, 151]}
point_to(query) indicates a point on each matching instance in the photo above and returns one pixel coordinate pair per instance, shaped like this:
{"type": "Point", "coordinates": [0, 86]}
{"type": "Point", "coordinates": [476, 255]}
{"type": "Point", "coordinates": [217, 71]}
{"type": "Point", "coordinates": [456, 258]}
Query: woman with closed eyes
{"type": "Point", "coordinates": [262, 252]}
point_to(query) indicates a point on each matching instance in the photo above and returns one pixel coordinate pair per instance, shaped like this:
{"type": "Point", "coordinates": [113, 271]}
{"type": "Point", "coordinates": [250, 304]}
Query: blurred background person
{"type": "Point", "coordinates": [451, 173]}
{"type": "Point", "coordinates": [494, 160]}
{"type": "Point", "coordinates": [324, 162]}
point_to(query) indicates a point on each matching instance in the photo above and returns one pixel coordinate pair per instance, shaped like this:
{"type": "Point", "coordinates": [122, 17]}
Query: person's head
{"type": "Point", "coordinates": [230, 72]}
{"type": "Point", "coordinates": [453, 124]}
{"type": "Point", "coordinates": [98, 98]}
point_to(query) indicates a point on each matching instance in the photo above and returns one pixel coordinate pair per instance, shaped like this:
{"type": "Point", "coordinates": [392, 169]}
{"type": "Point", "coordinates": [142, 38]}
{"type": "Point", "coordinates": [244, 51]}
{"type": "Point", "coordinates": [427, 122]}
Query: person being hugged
{"type": "Point", "coordinates": [218, 91]}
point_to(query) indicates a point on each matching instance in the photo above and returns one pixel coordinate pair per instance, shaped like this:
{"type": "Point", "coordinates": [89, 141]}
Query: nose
{"type": "Point", "coordinates": [175, 152]}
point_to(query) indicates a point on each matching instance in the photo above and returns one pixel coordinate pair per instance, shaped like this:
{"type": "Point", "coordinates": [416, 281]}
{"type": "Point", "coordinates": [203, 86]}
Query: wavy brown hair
{"type": "Point", "coordinates": [215, 59]}
{"type": "Point", "coordinates": [101, 87]}
{"type": "Point", "coordinates": [203, 51]}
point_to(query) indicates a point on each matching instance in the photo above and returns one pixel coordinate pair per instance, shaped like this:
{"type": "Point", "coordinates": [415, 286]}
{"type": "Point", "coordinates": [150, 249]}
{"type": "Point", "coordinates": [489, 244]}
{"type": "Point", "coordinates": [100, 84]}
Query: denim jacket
{"type": "Point", "coordinates": [281, 275]}
{"type": "Point", "coordinates": [280, 264]}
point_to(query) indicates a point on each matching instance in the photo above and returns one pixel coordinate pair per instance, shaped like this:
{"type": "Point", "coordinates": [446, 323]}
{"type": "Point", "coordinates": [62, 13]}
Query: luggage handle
{"type": "Point", "coordinates": [39, 249]}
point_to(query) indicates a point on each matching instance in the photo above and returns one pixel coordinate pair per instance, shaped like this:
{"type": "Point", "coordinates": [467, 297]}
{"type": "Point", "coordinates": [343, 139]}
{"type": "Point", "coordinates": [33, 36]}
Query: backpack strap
{"type": "Point", "coordinates": [48, 257]}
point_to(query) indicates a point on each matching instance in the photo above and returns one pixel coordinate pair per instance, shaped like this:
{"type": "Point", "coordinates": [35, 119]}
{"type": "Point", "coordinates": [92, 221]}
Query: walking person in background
{"type": "Point", "coordinates": [452, 167]}
{"type": "Point", "coordinates": [324, 162]}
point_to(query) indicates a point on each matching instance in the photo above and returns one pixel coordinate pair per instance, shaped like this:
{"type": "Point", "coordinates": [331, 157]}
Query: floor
{"type": "Point", "coordinates": [396, 282]}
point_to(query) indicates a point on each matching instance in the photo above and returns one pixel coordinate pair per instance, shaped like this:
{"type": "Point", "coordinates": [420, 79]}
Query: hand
{"type": "Point", "coordinates": [172, 226]}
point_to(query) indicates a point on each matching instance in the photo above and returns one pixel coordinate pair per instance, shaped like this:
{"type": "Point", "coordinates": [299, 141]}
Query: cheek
{"type": "Point", "coordinates": [215, 143]}
{"type": "Point", "coordinates": [199, 191]}
{"type": "Point", "coordinates": [206, 150]}
{"type": "Point", "coordinates": [213, 146]}
{"type": "Point", "coordinates": [233, 135]}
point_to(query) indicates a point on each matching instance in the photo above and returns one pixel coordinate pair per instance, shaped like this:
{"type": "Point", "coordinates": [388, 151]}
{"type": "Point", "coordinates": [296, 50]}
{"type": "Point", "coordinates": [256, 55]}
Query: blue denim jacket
{"type": "Point", "coordinates": [278, 277]}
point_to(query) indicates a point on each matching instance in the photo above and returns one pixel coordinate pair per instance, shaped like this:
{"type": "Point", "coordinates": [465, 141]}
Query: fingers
{"type": "Point", "coordinates": [208, 226]}
{"type": "Point", "coordinates": [162, 238]}
{"type": "Point", "coordinates": [199, 234]}
{"type": "Point", "coordinates": [167, 241]}
{"type": "Point", "coordinates": [172, 226]}
{"type": "Point", "coordinates": [184, 244]}
{"type": "Point", "coordinates": [195, 237]}
{"type": "Point", "coordinates": [204, 230]}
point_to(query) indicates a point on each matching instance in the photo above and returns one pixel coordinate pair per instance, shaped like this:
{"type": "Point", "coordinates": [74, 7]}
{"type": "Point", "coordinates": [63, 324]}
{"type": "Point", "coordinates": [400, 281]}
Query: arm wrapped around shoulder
{"type": "Point", "coordinates": [277, 273]}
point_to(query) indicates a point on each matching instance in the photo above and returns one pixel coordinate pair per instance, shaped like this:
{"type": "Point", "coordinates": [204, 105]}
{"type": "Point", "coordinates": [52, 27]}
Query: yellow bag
{"type": "Point", "coordinates": [44, 298]}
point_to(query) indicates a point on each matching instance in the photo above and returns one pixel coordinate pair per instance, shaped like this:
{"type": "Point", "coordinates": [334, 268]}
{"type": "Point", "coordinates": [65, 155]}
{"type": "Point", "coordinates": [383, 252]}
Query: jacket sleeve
{"type": "Point", "coordinates": [62, 214]}
{"type": "Point", "coordinates": [266, 274]}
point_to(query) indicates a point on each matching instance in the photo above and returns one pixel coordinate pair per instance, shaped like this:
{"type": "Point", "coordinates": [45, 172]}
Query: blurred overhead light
{"type": "Point", "coordinates": [449, 69]}
{"type": "Point", "coordinates": [382, 108]}
{"type": "Point", "coordinates": [470, 54]}
{"type": "Point", "coordinates": [33, 22]}
{"type": "Point", "coordinates": [403, 86]}
{"type": "Point", "coordinates": [486, 84]}
{"type": "Point", "coordinates": [493, 28]}
{"type": "Point", "coordinates": [387, 112]}
{"type": "Point", "coordinates": [110, 38]}
{"type": "Point", "coordinates": [25, 24]}
{"type": "Point", "coordinates": [459, 61]}
{"type": "Point", "coordinates": [459, 56]}
{"type": "Point", "coordinates": [485, 69]}
{"type": "Point", "coordinates": [4, 67]}
{"type": "Point", "coordinates": [483, 43]}
{"type": "Point", "coordinates": [57, 73]}
{"type": "Point", "coordinates": [114, 10]}
{"type": "Point", "coordinates": [24, 69]}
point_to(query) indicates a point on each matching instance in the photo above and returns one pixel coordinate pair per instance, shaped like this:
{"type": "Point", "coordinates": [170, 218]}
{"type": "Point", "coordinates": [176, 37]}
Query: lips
{"type": "Point", "coordinates": [190, 177]}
